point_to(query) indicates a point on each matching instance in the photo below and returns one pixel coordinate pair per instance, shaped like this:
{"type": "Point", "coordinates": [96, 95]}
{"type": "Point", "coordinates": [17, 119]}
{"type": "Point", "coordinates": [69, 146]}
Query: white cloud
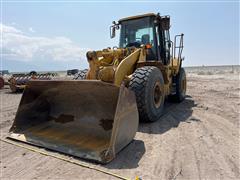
{"type": "Point", "coordinates": [16, 45]}
{"type": "Point", "coordinates": [9, 29]}
{"type": "Point", "coordinates": [31, 30]}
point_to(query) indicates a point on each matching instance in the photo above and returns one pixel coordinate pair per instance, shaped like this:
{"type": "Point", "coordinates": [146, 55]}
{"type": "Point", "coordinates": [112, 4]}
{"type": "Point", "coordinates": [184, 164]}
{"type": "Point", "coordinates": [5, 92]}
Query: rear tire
{"type": "Point", "coordinates": [81, 74]}
{"type": "Point", "coordinates": [181, 86]}
{"type": "Point", "coordinates": [148, 84]}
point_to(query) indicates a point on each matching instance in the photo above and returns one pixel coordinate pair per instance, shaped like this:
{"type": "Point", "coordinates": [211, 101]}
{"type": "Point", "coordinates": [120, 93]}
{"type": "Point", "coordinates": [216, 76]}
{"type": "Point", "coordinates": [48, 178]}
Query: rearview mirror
{"type": "Point", "coordinates": [112, 31]}
{"type": "Point", "coordinates": [165, 22]}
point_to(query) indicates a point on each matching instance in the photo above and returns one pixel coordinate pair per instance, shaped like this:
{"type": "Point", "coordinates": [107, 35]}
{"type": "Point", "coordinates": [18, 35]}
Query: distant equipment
{"type": "Point", "coordinates": [4, 72]}
{"type": "Point", "coordinates": [17, 82]}
{"type": "Point", "coordinates": [72, 72]}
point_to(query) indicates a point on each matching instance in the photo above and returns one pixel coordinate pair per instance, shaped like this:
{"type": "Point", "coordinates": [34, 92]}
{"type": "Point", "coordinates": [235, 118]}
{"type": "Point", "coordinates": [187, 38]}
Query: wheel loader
{"type": "Point", "coordinates": [97, 116]}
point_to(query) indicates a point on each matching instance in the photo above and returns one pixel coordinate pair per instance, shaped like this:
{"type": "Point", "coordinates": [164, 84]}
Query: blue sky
{"type": "Point", "coordinates": [56, 35]}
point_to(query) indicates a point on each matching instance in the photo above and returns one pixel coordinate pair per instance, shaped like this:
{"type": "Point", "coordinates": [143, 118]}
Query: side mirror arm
{"type": "Point", "coordinates": [112, 31]}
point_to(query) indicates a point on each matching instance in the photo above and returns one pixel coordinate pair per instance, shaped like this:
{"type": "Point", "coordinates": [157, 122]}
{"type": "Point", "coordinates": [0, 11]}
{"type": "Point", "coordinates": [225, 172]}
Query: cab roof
{"type": "Point", "coordinates": [137, 16]}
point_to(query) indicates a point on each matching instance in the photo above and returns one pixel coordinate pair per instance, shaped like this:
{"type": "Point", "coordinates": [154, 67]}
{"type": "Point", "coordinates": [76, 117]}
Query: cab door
{"type": "Point", "coordinates": [163, 40]}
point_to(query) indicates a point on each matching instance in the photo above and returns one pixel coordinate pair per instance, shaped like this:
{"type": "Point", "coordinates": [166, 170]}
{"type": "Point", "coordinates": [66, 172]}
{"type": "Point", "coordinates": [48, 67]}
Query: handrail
{"type": "Point", "coordinates": [180, 47]}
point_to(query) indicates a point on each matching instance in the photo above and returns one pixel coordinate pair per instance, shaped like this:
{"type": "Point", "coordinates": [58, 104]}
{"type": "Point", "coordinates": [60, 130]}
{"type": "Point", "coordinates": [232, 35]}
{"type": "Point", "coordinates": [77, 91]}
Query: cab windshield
{"type": "Point", "coordinates": [136, 32]}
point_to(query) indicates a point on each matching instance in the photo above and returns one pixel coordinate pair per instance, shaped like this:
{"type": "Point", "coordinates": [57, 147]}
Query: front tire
{"type": "Point", "coordinates": [148, 84]}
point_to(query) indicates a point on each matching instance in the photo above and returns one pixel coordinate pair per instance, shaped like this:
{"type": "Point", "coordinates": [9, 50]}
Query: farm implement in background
{"type": "Point", "coordinates": [17, 82]}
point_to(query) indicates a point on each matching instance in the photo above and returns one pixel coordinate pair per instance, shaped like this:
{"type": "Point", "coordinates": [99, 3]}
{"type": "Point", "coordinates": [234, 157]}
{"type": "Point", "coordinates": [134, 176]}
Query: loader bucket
{"type": "Point", "coordinates": [86, 118]}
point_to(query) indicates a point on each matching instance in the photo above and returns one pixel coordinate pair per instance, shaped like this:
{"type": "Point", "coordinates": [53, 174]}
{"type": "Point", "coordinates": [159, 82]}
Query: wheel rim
{"type": "Point", "coordinates": [157, 95]}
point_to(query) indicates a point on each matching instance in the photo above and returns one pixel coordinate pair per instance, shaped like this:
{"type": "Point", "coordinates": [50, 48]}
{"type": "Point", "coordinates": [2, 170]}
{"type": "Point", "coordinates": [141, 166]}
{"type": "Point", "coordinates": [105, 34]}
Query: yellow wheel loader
{"type": "Point", "coordinates": [97, 116]}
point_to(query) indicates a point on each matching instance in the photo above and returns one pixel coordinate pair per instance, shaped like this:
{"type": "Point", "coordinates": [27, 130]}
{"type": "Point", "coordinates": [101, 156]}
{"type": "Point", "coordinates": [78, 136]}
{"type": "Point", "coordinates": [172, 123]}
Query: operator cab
{"type": "Point", "coordinates": [150, 30]}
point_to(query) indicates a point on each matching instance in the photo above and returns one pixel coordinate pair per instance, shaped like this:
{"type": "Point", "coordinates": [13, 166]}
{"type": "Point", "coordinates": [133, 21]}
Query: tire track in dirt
{"type": "Point", "coordinates": [221, 149]}
{"type": "Point", "coordinates": [188, 152]}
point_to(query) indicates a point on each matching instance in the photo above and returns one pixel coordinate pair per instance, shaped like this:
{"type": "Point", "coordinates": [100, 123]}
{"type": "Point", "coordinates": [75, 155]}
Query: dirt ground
{"type": "Point", "coordinates": [196, 139]}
